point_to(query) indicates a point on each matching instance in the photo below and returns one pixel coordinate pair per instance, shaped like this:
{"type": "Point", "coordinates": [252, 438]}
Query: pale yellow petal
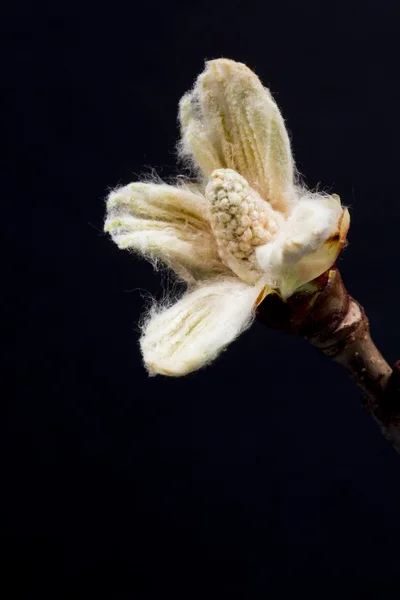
{"type": "Point", "coordinates": [318, 261]}
{"type": "Point", "coordinates": [230, 120]}
{"type": "Point", "coordinates": [161, 201]}
{"type": "Point", "coordinates": [191, 333]}
{"type": "Point", "coordinates": [165, 223]}
{"type": "Point", "coordinates": [307, 245]}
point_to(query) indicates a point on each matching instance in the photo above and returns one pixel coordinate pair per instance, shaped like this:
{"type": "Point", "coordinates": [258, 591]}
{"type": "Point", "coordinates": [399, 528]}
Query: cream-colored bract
{"type": "Point", "coordinates": [246, 228]}
{"type": "Point", "coordinates": [229, 120]}
{"type": "Point", "coordinates": [194, 330]}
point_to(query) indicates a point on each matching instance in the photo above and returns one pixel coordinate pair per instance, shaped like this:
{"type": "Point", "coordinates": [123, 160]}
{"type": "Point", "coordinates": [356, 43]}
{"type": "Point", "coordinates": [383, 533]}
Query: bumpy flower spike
{"type": "Point", "coordinates": [245, 230]}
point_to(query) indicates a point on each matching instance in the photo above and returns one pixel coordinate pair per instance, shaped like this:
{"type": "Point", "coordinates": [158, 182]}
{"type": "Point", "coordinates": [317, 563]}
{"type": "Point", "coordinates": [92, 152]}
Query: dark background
{"type": "Point", "coordinates": [261, 476]}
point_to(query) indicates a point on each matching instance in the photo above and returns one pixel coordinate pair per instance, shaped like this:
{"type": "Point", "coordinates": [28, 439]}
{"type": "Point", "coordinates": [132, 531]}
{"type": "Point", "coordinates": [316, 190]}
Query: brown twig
{"type": "Point", "coordinates": [331, 320]}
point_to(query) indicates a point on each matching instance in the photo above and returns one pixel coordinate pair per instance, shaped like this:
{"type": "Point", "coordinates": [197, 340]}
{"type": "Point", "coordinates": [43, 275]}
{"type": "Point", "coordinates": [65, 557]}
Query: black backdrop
{"type": "Point", "coordinates": [259, 477]}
